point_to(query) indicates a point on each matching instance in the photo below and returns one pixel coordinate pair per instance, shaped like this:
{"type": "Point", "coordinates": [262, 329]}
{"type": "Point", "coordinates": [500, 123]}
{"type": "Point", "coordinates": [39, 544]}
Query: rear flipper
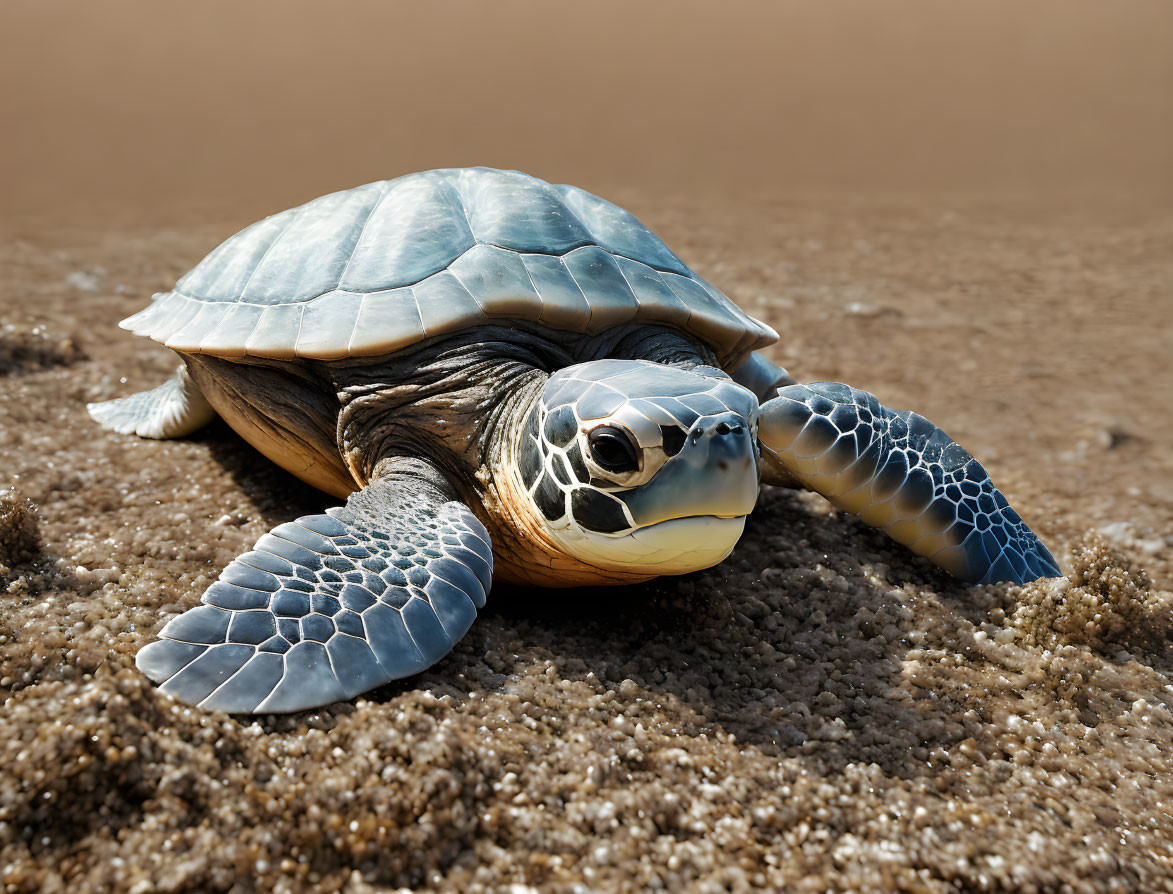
{"type": "Point", "coordinates": [330, 606]}
{"type": "Point", "coordinates": [899, 472]}
{"type": "Point", "coordinates": [172, 410]}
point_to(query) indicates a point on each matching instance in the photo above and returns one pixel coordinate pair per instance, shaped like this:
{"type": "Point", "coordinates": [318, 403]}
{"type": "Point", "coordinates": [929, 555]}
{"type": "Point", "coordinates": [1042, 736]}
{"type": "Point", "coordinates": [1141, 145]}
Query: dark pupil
{"type": "Point", "coordinates": [612, 450]}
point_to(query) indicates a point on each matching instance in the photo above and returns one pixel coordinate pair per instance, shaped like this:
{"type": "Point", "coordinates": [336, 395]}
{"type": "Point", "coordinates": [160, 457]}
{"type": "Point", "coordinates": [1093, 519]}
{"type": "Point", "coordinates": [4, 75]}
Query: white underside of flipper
{"type": "Point", "coordinates": [172, 410]}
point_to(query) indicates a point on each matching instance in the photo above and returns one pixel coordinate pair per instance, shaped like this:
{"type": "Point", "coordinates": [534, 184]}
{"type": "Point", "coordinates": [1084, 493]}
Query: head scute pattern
{"type": "Point", "coordinates": [612, 445]}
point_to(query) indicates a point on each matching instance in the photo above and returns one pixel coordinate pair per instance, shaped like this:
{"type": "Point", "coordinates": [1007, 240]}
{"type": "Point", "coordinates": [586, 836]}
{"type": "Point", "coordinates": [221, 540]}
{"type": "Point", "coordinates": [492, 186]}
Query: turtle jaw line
{"type": "Point", "coordinates": [668, 521]}
{"type": "Point", "coordinates": [670, 546]}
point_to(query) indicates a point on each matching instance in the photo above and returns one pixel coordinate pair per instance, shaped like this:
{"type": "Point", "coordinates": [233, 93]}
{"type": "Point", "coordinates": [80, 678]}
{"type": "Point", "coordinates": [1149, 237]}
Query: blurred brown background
{"type": "Point", "coordinates": [147, 113]}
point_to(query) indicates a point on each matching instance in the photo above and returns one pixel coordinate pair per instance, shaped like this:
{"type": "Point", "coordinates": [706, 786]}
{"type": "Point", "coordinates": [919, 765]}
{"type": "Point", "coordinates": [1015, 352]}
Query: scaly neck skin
{"type": "Point", "coordinates": [440, 401]}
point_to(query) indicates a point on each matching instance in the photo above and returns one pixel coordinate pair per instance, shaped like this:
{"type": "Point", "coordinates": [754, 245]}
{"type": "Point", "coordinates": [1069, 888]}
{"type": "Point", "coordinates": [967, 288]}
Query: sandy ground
{"type": "Point", "coordinates": [822, 712]}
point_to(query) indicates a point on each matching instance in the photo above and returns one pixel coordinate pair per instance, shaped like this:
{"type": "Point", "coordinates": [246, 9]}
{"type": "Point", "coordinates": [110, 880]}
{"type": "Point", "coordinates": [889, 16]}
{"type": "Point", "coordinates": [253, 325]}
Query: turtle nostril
{"type": "Point", "coordinates": [723, 428]}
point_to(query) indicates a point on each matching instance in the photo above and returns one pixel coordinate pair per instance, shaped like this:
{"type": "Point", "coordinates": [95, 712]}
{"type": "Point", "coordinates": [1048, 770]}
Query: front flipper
{"type": "Point", "coordinates": [899, 472]}
{"type": "Point", "coordinates": [329, 606]}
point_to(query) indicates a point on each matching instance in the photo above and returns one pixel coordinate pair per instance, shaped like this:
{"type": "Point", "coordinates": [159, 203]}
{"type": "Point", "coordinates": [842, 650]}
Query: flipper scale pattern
{"type": "Point", "coordinates": [327, 607]}
{"type": "Point", "coordinates": [899, 472]}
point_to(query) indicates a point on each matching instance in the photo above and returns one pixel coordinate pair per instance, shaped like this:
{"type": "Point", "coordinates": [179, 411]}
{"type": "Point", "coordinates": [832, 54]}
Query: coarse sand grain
{"type": "Point", "coordinates": [821, 712]}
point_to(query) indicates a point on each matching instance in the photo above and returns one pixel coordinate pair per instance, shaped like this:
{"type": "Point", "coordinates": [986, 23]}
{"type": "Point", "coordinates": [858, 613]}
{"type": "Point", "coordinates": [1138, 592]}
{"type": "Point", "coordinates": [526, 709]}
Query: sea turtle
{"type": "Point", "coordinates": [508, 380]}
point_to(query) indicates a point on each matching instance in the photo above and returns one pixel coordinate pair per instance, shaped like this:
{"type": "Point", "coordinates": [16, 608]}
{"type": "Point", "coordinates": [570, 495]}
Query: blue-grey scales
{"type": "Point", "coordinates": [504, 379]}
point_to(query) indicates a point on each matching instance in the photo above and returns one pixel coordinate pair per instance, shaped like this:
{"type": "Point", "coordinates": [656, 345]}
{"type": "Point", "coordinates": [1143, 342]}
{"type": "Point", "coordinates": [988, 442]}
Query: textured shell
{"type": "Point", "coordinates": [380, 267]}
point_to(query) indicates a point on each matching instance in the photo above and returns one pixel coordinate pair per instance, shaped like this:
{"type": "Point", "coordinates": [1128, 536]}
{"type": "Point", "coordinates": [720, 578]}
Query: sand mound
{"type": "Point", "coordinates": [18, 530]}
{"type": "Point", "coordinates": [24, 349]}
{"type": "Point", "coordinates": [1106, 603]}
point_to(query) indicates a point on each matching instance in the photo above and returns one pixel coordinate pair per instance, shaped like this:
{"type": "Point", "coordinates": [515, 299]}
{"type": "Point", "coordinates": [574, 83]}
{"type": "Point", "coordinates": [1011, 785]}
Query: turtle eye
{"type": "Point", "coordinates": [611, 449]}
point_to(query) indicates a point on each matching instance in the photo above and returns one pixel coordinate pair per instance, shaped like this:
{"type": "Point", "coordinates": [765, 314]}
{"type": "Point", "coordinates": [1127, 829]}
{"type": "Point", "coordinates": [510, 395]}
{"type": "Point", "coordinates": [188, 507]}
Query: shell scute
{"type": "Point", "coordinates": [657, 302]}
{"type": "Point", "coordinates": [231, 335]}
{"type": "Point", "coordinates": [179, 312]}
{"type": "Point", "coordinates": [619, 231]}
{"type": "Point", "coordinates": [496, 278]}
{"type": "Point", "coordinates": [327, 329]}
{"type": "Point", "coordinates": [277, 332]}
{"type": "Point", "coordinates": [609, 295]}
{"type": "Point", "coordinates": [189, 336]}
{"type": "Point", "coordinates": [445, 305]}
{"type": "Point", "coordinates": [564, 306]}
{"type": "Point", "coordinates": [416, 230]}
{"type": "Point", "coordinates": [223, 274]}
{"type": "Point", "coordinates": [311, 254]}
{"type": "Point", "coordinates": [512, 210]}
{"type": "Point", "coordinates": [387, 321]}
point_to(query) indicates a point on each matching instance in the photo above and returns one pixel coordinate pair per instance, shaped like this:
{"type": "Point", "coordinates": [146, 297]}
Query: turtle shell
{"type": "Point", "coordinates": [377, 268]}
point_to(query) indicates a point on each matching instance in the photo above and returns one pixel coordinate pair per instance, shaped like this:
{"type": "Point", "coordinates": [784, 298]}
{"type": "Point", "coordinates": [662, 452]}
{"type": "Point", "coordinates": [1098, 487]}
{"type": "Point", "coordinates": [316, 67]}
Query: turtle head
{"type": "Point", "coordinates": [642, 468]}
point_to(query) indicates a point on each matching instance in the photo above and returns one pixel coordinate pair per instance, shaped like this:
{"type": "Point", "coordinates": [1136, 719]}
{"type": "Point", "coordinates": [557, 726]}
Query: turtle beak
{"type": "Point", "coordinates": [715, 473]}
